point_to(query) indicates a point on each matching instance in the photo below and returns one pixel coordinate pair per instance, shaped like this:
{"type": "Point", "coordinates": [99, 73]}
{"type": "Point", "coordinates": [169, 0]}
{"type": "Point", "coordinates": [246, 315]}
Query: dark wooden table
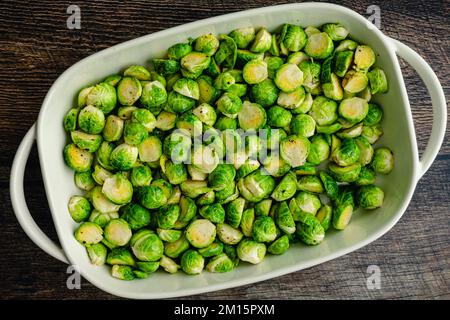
{"type": "Point", "coordinates": [36, 46]}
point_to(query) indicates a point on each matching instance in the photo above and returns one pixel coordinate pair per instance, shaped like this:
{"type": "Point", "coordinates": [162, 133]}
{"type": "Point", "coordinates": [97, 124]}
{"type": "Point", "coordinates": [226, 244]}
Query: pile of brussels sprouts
{"type": "Point", "coordinates": [229, 147]}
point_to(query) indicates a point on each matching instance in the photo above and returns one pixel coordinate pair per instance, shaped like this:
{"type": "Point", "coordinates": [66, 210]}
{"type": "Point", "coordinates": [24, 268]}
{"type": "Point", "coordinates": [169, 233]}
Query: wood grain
{"type": "Point", "coordinates": [36, 46]}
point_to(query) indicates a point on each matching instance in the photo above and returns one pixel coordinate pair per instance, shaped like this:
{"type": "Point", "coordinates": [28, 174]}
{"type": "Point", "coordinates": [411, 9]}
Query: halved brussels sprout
{"type": "Point", "coordinates": [79, 208]}
{"type": "Point", "coordinates": [176, 248]}
{"type": "Point", "coordinates": [323, 111]}
{"type": "Point", "coordinates": [125, 112]}
{"type": "Point", "coordinates": [305, 106]}
{"type": "Point", "coordinates": [308, 203]}
{"type": "Point", "coordinates": [166, 121]}
{"type": "Point", "coordinates": [214, 249]}
{"type": "Point", "coordinates": [147, 266]}
{"type": "Point", "coordinates": [364, 57]}
{"type": "Point", "coordinates": [196, 174]}
{"type": "Point", "coordinates": [201, 233]}
{"type": "Point", "coordinates": [366, 150]}
{"type": "Point", "coordinates": [118, 189]}
{"type": "Point", "coordinates": [333, 89]}
{"type": "Point", "coordinates": [378, 81]}
{"type": "Point", "coordinates": [336, 31]}
{"type": "Point", "coordinates": [193, 189]}
{"type": "Point", "coordinates": [288, 77]}
{"type": "Point", "coordinates": [188, 209]}
{"type": "Point", "coordinates": [190, 124]}
{"type": "Point", "coordinates": [168, 264]}
{"type": "Point", "coordinates": [70, 120]}
{"type": "Point", "coordinates": [325, 215]}
{"type": "Point", "coordinates": [347, 153]}
{"type": "Point", "coordinates": [204, 159]}
{"type": "Point", "coordinates": [118, 232]}
{"type": "Point", "coordinates": [243, 36]}
{"type": "Point", "coordinates": [284, 219]}
{"type": "Point", "coordinates": [176, 173]}
{"type": "Point", "coordinates": [91, 120]}
{"type": "Point", "coordinates": [278, 117]}
{"type": "Point", "coordinates": [279, 246]}
{"type": "Point", "coordinates": [179, 50]}
{"type": "Point", "coordinates": [292, 100]}
{"type": "Point", "coordinates": [97, 254]}
{"type": "Point", "coordinates": [138, 72]}
{"type": "Point", "coordinates": [263, 207]}
{"type": "Point", "coordinates": [234, 212]}
{"type": "Point", "coordinates": [255, 71]}
{"type": "Point", "coordinates": [206, 198]}
{"type": "Point", "coordinates": [265, 93]}
{"type": "Point", "coordinates": [78, 159]}
{"type": "Point", "coordinates": [187, 87]}
{"type": "Point", "coordinates": [262, 41]}
{"type": "Point", "coordinates": [179, 103]}
{"type": "Point", "coordinates": [84, 180]}
{"type": "Point", "coordinates": [136, 216]}
{"type": "Point", "coordinates": [102, 218]}
{"type": "Point", "coordinates": [141, 176]}
{"type": "Point", "coordinates": [354, 82]}
{"type": "Point", "coordinates": [113, 128]}
{"type": "Point", "coordinates": [353, 109]}
{"type": "Point", "coordinates": [100, 174]}
{"type": "Point", "coordinates": [195, 62]}
{"type": "Point", "coordinates": [297, 58]}
{"type": "Point", "coordinates": [122, 272]}
{"type": "Point", "coordinates": [256, 186]}
{"type": "Point", "coordinates": [273, 63]}
{"type": "Point", "coordinates": [293, 38]}
{"type": "Point", "coordinates": [222, 175]}
{"type": "Point", "coordinates": [247, 220]}
{"type": "Point", "coordinates": [207, 43]}
{"type": "Point", "coordinates": [346, 44]}
{"type": "Point", "coordinates": [100, 202]}
{"type": "Point", "coordinates": [150, 149]}
{"type": "Point", "coordinates": [319, 46]}
{"type": "Point", "coordinates": [224, 81]}
{"type": "Point", "coordinates": [264, 229]}
{"type": "Point", "coordinates": [310, 184]}
{"type": "Point", "coordinates": [310, 231]}
{"type": "Point", "coordinates": [319, 150]}
{"type": "Point", "coordinates": [151, 197]}
{"type": "Point", "coordinates": [134, 133]}
{"type": "Point", "coordinates": [89, 233]}
{"type": "Point", "coordinates": [167, 216]}
{"type": "Point", "coordinates": [366, 176]}
{"type": "Point", "coordinates": [329, 184]}
{"type": "Point", "coordinates": [383, 160]}
{"type": "Point", "coordinates": [82, 95]}
{"type": "Point", "coordinates": [303, 125]}
{"type": "Point", "coordinates": [145, 118]}
{"type": "Point", "coordinates": [311, 75]}
{"type": "Point", "coordinates": [342, 62]}
{"type": "Point", "coordinates": [192, 262]}
{"type": "Point", "coordinates": [214, 212]}
{"type": "Point", "coordinates": [251, 116]}
{"type": "Point", "coordinates": [370, 197]}
{"type": "Point", "coordinates": [220, 263]}
{"type": "Point", "coordinates": [374, 115]}
{"type": "Point", "coordinates": [295, 150]}
{"type": "Point", "coordinates": [343, 210]}
{"type": "Point", "coordinates": [102, 96]}
{"type": "Point", "coordinates": [372, 133]}
{"type": "Point", "coordinates": [352, 132]}
{"type": "Point", "coordinates": [86, 141]}
{"type": "Point", "coordinates": [146, 245]}
{"type": "Point", "coordinates": [229, 235]}
{"type": "Point", "coordinates": [129, 90]}
{"type": "Point", "coordinates": [286, 188]}
{"type": "Point", "coordinates": [229, 104]}
{"type": "Point", "coordinates": [123, 157]}
{"type": "Point", "coordinates": [120, 256]}
{"type": "Point", "coordinates": [251, 251]}
{"type": "Point", "coordinates": [345, 174]}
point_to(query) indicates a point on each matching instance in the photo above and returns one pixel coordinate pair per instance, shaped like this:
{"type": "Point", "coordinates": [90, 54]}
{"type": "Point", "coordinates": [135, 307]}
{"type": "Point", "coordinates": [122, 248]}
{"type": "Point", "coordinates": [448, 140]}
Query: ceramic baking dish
{"type": "Point", "coordinates": [365, 226]}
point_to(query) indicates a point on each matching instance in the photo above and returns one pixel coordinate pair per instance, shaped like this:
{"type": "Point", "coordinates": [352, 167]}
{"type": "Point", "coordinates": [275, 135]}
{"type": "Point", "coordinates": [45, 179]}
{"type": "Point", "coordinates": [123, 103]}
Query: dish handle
{"type": "Point", "coordinates": [437, 100]}
{"type": "Point", "coordinates": [18, 201]}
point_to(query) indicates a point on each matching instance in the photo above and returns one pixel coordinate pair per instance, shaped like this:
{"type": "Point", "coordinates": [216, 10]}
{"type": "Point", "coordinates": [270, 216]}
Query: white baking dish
{"type": "Point", "coordinates": [365, 226]}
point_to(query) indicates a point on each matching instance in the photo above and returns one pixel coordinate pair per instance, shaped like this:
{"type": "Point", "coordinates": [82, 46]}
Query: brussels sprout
{"type": "Point", "coordinates": [129, 90]}
{"type": "Point", "coordinates": [226, 54]}
{"type": "Point", "coordinates": [225, 123]}
{"type": "Point", "coordinates": [122, 272]}
{"type": "Point", "coordinates": [293, 38]}
{"type": "Point", "coordinates": [177, 146]}
{"type": "Point", "coordinates": [175, 172]}
{"type": "Point", "coordinates": [118, 189]}
{"type": "Point", "coordinates": [310, 231]}
{"type": "Point", "coordinates": [279, 246]}
{"type": "Point", "coordinates": [176, 248]}
{"type": "Point", "coordinates": [306, 169]}
{"type": "Point", "coordinates": [378, 81]}
{"type": "Point", "coordinates": [188, 209]}
{"type": "Point", "coordinates": [79, 208]}
{"type": "Point", "coordinates": [284, 219]}
{"type": "Point", "coordinates": [102, 96]}
{"type": "Point", "coordinates": [100, 202]}
{"type": "Point", "coordinates": [347, 153]}
{"type": "Point", "coordinates": [265, 93]}
{"type": "Point", "coordinates": [196, 174]}
{"type": "Point", "coordinates": [102, 218]}
{"type": "Point", "coordinates": [353, 109]}
{"type": "Point", "coordinates": [234, 212]}
{"type": "Point", "coordinates": [175, 197]}
{"type": "Point", "coordinates": [354, 82]}
{"type": "Point", "coordinates": [343, 209]}
{"type": "Point", "coordinates": [145, 118]}
{"type": "Point", "coordinates": [333, 89]}
{"type": "Point", "coordinates": [323, 111]}
{"type": "Point", "coordinates": [352, 132]}
{"type": "Point", "coordinates": [113, 128]}
{"type": "Point", "coordinates": [206, 198]}
{"type": "Point", "coordinates": [166, 67]}
{"type": "Point", "coordinates": [91, 120]}
{"type": "Point", "coordinates": [319, 150]}
{"type": "Point", "coordinates": [374, 115]}
{"type": "Point", "coordinates": [195, 62]}
{"type": "Point", "coordinates": [288, 77]}
{"type": "Point", "coordinates": [238, 89]}
{"type": "Point", "coordinates": [295, 150]}
{"type": "Point", "coordinates": [251, 251]}
{"type": "Point", "coordinates": [311, 75]}
{"type": "Point", "coordinates": [345, 174]}
{"type": "Point", "coordinates": [263, 207]}
{"type": "Point", "coordinates": [70, 120]}
{"type": "Point", "coordinates": [97, 254]}
{"type": "Point", "coordinates": [179, 103]}
{"type": "Point", "coordinates": [279, 117]}
{"type": "Point", "coordinates": [89, 233]}
{"type": "Point", "coordinates": [229, 104]}
{"type": "Point", "coordinates": [152, 197]}
{"type": "Point", "coordinates": [86, 141]}
{"type": "Point", "coordinates": [193, 189]}
{"type": "Point", "coordinates": [214, 212]}
{"type": "Point", "coordinates": [138, 72]}
{"type": "Point", "coordinates": [84, 180]}
{"type": "Point", "coordinates": [308, 203]}
{"type": "Point", "coordinates": [255, 71]}
{"type": "Point", "coordinates": [214, 249]}
{"type": "Point", "coordinates": [310, 184]}
{"type": "Point", "coordinates": [292, 100]}
{"type": "Point", "coordinates": [146, 245]}
{"type": "Point", "coordinates": [82, 95]}
{"type": "Point", "coordinates": [78, 159]}
{"type": "Point", "coordinates": [275, 166]}
{"type": "Point", "coordinates": [372, 133]}
{"type": "Point", "coordinates": [329, 129]}
{"type": "Point", "coordinates": [342, 62]}
{"type": "Point", "coordinates": [366, 176]}
{"type": "Point", "coordinates": [168, 265]}
{"type": "Point", "coordinates": [329, 184]}
{"type": "Point", "coordinates": [220, 263]}
{"type": "Point", "coordinates": [346, 44]}
{"type": "Point", "coordinates": [153, 95]}
{"type": "Point", "coordinates": [366, 150]}
{"type": "Point", "coordinates": [325, 75]}
{"type": "Point", "coordinates": [256, 186]}
{"type": "Point", "coordinates": [370, 197]}
{"type": "Point", "coordinates": [264, 229]}
{"type": "Point", "coordinates": [253, 147]}
{"type": "Point", "coordinates": [206, 114]}
{"type": "Point", "coordinates": [364, 57]}
{"type": "Point", "coordinates": [136, 216]}
{"type": "Point", "coordinates": [325, 215]}
{"type": "Point", "coordinates": [166, 121]}
{"type": "Point", "coordinates": [336, 31]}
{"type": "Point", "coordinates": [134, 133]}
{"type": "Point", "coordinates": [179, 50]}
{"type": "Point", "coordinates": [192, 262]}
{"type": "Point", "coordinates": [167, 216]}
{"type": "Point", "coordinates": [187, 87]}
{"type": "Point", "coordinates": [201, 233]}
{"type": "Point", "coordinates": [229, 193]}
{"type": "Point", "coordinates": [286, 188]}
{"type": "Point", "coordinates": [124, 157]}
{"type": "Point", "coordinates": [125, 112]}
{"type": "Point", "coordinates": [150, 149]}
{"type": "Point", "coordinates": [229, 235]}
{"type": "Point", "coordinates": [118, 232]}
{"type": "Point", "coordinates": [319, 46]}
{"type": "Point", "coordinates": [303, 125]}
{"type": "Point", "coordinates": [243, 36]}
{"type": "Point", "coordinates": [120, 256]}
{"type": "Point", "coordinates": [221, 176]}
{"type": "Point", "coordinates": [141, 176]}
{"type": "Point", "coordinates": [262, 42]}
{"type": "Point", "coordinates": [273, 64]}
{"type": "Point", "coordinates": [383, 160]}
{"type": "Point", "coordinates": [204, 159]}
{"type": "Point", "coordinates": [297, 58]}
{"type": "Point", "coordinates": [311, 30]}
{"type": "Point", "coordinates": [147, 266]}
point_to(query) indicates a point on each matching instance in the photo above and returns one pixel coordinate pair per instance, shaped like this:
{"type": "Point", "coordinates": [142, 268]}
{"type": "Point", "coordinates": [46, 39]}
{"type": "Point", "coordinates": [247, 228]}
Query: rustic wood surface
{"type": "Point", "coordinates": [36, 46]}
